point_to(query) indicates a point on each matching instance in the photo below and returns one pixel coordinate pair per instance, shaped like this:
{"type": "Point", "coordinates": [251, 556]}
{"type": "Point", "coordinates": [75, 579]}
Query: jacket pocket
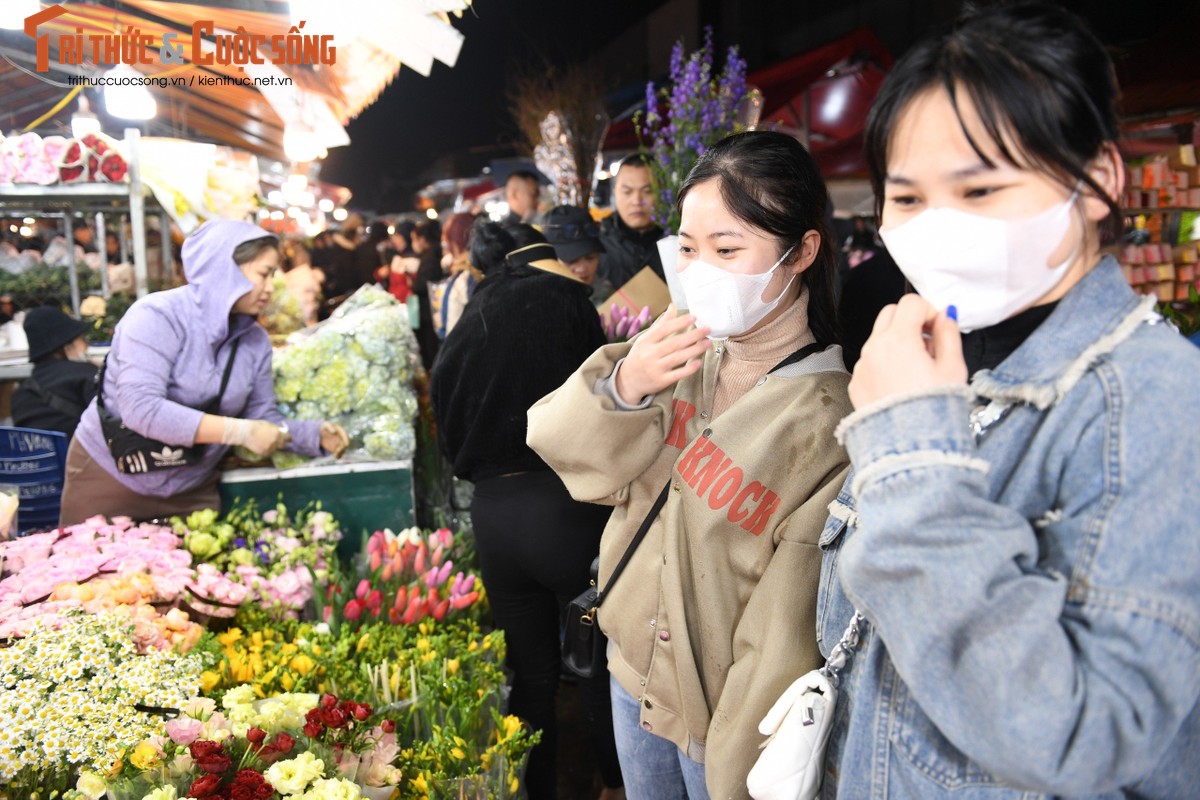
{"type": "Point", "coordinates": [833, 609]}
{"type": "Point", "coordinates": [923, 746]}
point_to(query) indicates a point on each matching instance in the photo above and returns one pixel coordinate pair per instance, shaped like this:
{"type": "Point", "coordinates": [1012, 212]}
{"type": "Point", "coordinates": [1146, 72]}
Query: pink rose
{"type": "Point", "coordinates": [184, 730]}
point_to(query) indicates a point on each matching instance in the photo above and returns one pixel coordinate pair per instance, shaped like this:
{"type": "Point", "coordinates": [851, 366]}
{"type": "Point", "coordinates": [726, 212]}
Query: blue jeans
{"type": "Point", "coordinates": [653, 768]}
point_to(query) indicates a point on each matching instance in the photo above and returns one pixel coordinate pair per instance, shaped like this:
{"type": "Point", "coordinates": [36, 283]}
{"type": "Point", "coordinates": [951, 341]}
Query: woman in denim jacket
{"type": "Point", "coordinates": [1019, 531]}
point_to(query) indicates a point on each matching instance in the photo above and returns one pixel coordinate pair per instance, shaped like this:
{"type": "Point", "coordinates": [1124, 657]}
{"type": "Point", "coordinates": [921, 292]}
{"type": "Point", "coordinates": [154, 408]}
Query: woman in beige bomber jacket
{"type": "Point", "coordinates": [715, 614]}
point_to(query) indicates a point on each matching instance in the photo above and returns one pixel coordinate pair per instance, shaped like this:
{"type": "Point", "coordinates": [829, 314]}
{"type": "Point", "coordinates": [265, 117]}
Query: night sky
{"type": "Point", "coordinates": [398, 140]}
{"type": "Point", "coordinates": [417, 120]}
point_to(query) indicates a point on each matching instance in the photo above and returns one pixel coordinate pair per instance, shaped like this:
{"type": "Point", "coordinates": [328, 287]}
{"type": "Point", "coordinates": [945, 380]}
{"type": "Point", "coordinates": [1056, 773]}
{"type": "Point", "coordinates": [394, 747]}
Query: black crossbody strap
{"type": "Point", "coordinates": [60, 404]}
{"type": "Point", "coordinates": [215, 403]}
{"type": "Point", "coordinates": [637, 539]}
{"type": "Point", "coordinates": [212, 404]}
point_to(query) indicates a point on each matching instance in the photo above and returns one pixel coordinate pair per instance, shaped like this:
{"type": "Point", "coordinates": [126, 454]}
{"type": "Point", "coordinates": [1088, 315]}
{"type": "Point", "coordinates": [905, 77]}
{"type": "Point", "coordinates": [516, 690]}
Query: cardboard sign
{"type": "Point", "coordinates": [643, 289]}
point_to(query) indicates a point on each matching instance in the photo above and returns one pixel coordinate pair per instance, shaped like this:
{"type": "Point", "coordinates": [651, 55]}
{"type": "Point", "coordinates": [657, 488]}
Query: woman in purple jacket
{"type": "Point", "coordinates": [168, 357]}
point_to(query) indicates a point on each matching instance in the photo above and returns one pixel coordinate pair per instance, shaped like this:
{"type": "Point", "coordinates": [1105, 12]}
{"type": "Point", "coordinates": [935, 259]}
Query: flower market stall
{"type": "Point", "coordinates": [357, 369]}
{"type": "Point", "coordinates": [236, 657]}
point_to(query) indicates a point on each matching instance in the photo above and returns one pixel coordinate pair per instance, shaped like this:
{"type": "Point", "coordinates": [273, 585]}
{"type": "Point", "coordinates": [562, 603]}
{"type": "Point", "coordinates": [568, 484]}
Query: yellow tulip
{"type": "Point", "coordinates": [458, 753]}
{"type": "Point", "coordinates": [230, 636]}
{"type": "Point", "coordinates": [301, 663]}
{"type": "Point", "coordinates": [422, 644]}
{"type": "Point", "coordinates": [287, 681]}
{"type": "Point", "coordinates": [209, 680]}
{"type": "Point", "coordinates": [366, 637]}
{"type": "Point", "coordinates": [452, 666]}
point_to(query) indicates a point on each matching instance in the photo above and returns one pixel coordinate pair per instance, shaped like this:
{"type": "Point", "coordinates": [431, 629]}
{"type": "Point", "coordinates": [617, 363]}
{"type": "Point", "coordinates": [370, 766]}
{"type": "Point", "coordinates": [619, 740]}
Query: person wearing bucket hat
{"type": "Point", "coordinates": [190, 370]}
{"type": "Point", "coordinates": [63, 382]}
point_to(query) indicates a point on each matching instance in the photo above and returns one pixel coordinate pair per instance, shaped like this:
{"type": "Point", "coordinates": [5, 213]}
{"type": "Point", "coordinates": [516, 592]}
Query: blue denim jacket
{"type": "Point", "coordinates": [1029, 570]}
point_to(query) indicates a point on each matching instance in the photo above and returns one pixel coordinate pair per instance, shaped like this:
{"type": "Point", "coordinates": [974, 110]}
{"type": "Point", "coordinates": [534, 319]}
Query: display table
{"type": "Point", "coordinates": [364, 496]}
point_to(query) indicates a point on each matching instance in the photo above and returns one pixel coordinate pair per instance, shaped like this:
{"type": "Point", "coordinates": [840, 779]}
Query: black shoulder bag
{"type": "Point", "coordinates": [135, 453]}
{"type": "Point", "coordinates": [583, 642]}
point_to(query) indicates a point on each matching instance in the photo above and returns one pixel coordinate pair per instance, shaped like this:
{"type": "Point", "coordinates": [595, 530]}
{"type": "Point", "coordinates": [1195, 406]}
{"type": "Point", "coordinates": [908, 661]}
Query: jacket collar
{"type": "Point", "coordinates": [1095, 316]}
{"type": "Point", "coordinates": [644, 238]}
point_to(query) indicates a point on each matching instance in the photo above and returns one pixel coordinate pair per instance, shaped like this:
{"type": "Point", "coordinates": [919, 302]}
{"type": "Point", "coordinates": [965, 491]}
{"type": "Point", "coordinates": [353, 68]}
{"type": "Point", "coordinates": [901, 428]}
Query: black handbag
{"type": "Point", "coordinates": [135, 453]}
{"type": "Point", "coordinates": [583, 642]}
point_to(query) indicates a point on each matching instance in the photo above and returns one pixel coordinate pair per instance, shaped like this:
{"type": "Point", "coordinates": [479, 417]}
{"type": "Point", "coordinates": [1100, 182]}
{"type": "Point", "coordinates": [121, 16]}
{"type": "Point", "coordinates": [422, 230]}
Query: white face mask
{"type": "Point", "coordinates": [989, 269]}
{"type": "Point", "coordinates": [729, 303]}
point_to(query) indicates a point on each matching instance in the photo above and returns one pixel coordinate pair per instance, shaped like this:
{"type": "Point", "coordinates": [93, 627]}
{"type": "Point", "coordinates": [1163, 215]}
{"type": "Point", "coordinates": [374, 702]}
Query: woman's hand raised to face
{"type": "Point", "coordinates": [662, 356]}
{"type": "Point", "coordinates": [912, 347]}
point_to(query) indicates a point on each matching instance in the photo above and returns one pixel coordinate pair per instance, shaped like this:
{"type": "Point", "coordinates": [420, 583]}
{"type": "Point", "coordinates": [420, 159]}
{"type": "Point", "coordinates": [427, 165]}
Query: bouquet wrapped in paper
{"type": "Point", "coordinates": [356, 369]}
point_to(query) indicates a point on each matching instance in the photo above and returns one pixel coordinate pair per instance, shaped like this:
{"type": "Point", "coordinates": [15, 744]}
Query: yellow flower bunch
{"type": "Point", "coordinates": [269, 662]}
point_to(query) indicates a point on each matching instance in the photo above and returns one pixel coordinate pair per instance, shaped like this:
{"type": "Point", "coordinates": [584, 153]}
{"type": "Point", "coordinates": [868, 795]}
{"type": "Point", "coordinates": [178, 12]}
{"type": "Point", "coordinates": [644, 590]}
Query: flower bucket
{"type": "Point", "coordinates": [504, 781]}
{"type": "Point", "coordinates": [377, 792]}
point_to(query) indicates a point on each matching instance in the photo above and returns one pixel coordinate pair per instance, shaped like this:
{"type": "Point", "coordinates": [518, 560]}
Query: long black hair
{"type": "Point", "coordinates": [768, 180]}
{"type": "Point", "coordinates": [1041, 82]}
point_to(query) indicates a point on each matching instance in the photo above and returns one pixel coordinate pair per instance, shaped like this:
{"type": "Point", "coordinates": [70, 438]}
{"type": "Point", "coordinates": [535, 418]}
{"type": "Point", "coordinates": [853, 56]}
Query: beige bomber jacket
{"type": "Point", "coordinates": [716, 613]}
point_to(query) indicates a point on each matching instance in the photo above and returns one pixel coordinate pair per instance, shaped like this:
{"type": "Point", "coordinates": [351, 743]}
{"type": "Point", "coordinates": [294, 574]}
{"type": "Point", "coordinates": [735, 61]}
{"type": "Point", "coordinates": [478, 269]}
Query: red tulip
{"type": "Point", "coordinates": [374, 601]}
{"type": "Point", "coordinates": [439, 613]}
{"type": "Point", "coordinates": [353, 610]}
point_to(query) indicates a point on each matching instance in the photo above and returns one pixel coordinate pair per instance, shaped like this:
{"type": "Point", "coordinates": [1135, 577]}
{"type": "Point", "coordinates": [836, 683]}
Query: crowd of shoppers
{"type": "Point", "coordinates": [986, 487]}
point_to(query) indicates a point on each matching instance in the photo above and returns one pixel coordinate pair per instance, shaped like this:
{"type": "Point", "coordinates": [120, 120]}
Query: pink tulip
{"type": "Point", "coordinates": [353, 610]}
{"type": "Point", "coordinates": [364, 586]}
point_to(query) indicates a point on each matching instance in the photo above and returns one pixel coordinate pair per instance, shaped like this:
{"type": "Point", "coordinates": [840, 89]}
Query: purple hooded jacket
{"type": "Point", "coordinates": [169, 353]}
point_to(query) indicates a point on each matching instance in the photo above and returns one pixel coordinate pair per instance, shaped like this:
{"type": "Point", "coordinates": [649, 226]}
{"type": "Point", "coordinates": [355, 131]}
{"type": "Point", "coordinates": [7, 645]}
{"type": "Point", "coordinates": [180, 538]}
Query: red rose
{"type": "Point", "coordinates": [335, 717]}
{"type": "Point", "coordinates": [205, 786]}
{"type": "Point", "coordinates": [389, 726]}
{"type": "Point", "coordinates": [328, 701]}
{"type": "Point", "coordinates": [209, 756]}
{"type": "Point", "coordinates": [283, 742]}
{"type": "Point", "coordinates": [249, 784]}
{"type": "Point", "coordinates": [313, 729]}
{"type": "Point", "coordinates": [256, 736]}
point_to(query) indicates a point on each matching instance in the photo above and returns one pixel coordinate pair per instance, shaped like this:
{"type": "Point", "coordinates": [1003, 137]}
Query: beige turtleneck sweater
{"type": "Point", "coordinates": [749, 356]}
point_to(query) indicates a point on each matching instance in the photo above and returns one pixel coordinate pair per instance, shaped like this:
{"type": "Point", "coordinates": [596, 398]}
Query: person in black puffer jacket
{"type": "Point", "coordinates": [528, 327]}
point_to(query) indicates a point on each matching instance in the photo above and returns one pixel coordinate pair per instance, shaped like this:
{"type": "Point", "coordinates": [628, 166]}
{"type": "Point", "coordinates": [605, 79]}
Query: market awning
{"type": "Point", "coordinates": [373, 41]}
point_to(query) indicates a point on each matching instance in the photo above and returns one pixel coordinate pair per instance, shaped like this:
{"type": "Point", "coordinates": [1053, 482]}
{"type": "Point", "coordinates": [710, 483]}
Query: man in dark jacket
{"type": "Point", "coordinates": [63, 381]}
{"type": "Point", "coordinates": [630, 236]}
